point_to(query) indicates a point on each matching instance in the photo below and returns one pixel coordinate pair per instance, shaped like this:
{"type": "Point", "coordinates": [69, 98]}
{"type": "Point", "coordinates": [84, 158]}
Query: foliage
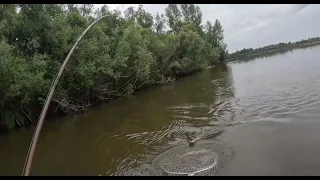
{"type": "Point", "coordinates": [119, 55]}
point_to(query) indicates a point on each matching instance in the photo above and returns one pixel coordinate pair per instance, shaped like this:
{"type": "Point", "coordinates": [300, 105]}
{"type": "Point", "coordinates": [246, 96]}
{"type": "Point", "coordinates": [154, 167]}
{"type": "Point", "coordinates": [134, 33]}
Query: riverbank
{"type": "Point", "coordinates": [53, 114]}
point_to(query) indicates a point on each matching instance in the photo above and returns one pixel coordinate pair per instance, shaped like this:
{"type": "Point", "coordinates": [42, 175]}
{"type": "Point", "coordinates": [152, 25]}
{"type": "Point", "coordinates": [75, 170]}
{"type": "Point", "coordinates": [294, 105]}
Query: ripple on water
{"type": "Point", "coordinates": [205, 121]}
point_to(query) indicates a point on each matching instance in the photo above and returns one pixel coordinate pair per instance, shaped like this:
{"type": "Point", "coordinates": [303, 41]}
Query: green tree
{"type": "Point", "coordinates": [191, 13]}
{"type": "Point", "coordinates": [144, 18]}
{"type": "Point", "coordinates": [159, 24]}
{"type": "Point", "coordinates": [86, 9]}
{"type": "Point", "coordinates": [174, 17]}
{"type": "Point", "coordinates": [218, 33]}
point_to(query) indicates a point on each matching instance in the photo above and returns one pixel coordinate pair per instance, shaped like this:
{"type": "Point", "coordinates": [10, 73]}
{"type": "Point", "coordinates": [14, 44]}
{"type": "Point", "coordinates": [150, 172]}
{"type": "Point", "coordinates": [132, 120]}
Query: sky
{"type": "Point", "coordinates": [254, 25]}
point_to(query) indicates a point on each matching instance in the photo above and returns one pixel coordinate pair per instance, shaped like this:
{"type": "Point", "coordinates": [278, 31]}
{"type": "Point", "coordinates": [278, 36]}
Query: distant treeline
{"type": "Point", "coordinates": [248, 53]}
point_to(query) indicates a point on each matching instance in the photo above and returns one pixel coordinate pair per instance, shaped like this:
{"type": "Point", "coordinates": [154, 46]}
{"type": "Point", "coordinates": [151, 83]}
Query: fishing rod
{"type": "Point", "coordinates": [34, 141]}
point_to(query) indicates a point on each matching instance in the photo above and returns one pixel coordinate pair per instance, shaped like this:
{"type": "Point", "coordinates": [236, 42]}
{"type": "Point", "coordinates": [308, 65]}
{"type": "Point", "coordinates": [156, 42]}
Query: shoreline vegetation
{"type": "Point", "coordinates": [121, 54]}
{"type": "Point", "coordinates": [250, 53]}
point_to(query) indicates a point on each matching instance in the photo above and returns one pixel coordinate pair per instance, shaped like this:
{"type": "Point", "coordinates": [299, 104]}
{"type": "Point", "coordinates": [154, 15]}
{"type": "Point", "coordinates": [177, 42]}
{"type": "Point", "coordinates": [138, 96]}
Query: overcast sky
{"type": "Point", "coordinates": [255, 25]}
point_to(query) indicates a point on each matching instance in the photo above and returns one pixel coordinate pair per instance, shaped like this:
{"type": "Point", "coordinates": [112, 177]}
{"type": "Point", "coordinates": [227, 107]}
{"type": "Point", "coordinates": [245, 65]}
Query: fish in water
{"type": "Point", "coordinates": [191, 140]}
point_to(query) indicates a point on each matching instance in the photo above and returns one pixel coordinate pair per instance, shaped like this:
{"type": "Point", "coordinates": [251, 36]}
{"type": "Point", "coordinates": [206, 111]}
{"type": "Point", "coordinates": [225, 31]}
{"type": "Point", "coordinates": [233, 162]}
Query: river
{"type": "Point", "coordinates": [264, 113]}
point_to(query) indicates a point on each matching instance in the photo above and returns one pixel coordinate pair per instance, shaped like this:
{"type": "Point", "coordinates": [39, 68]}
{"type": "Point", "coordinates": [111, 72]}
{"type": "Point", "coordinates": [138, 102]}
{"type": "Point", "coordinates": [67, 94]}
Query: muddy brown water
{"type": "Point", "coordinates": [264, 114]}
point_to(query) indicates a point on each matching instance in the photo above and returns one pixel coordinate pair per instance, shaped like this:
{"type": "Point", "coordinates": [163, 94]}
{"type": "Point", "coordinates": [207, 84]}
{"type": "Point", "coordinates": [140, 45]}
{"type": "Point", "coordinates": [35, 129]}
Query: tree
{"type": "Point", "coordinates": [130, 14]}
{"type": "Point", "coordinates": [218, 33]}
{"type": "Point", "coordinates": [104, 10]}
{"type": "Point", "coordinates": [210, 34]}
{"type": "Point", "coordinates": [71, 8]}
{"type": "Point", "coordinates": [191, 13]}
{"type": "Point", "coordinates": [159, 23]}
{"type": "Point", "coordinates": [144, 18]}
{"type": "Point", "coordinates": [86, 9]}
{"type": "Point", "coordinates": [174, 17]}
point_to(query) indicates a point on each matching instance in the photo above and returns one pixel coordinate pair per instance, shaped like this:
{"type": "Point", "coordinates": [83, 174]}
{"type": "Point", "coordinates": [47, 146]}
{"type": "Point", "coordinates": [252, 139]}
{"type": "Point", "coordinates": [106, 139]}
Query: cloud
{"type": "Point", "coordinates": [256, 25]}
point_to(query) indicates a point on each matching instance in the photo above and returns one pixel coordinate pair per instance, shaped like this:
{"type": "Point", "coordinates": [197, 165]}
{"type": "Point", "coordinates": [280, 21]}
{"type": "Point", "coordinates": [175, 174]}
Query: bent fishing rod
{"type": "Point", "coordinates": [34, 141]}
